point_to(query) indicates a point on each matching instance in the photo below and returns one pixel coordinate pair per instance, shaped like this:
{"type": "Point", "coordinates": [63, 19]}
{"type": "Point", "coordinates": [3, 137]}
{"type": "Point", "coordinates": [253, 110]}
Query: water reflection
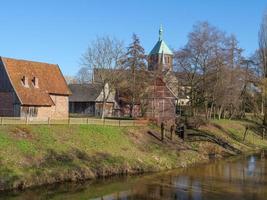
{"type": "Point", "coordinates": [251, 166]}
{"type": "Point", "coordinates": [236, 178]}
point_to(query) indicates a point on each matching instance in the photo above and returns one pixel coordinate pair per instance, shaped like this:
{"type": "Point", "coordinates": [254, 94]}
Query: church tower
{"type": "Point", "coordinates": [161, 57]}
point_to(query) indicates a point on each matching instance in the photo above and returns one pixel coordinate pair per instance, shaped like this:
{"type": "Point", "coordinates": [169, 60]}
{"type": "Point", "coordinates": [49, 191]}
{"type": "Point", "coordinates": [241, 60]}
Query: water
{"type": "Point", "coordinates": [243, 177]}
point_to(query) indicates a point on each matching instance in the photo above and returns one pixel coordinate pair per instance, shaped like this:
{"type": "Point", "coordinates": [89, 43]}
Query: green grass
{"type": "Point", "coordinates": [36, 154]}
{"type": "Point", "coordinates": [233, 131]}
{"type": "Point", "coordinates": [56, 150]}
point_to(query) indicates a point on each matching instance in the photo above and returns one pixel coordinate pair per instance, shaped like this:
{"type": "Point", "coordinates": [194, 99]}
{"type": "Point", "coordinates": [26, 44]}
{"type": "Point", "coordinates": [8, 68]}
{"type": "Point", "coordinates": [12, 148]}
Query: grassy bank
{"type": "Point", "coordinates": [232, 131]}
{"type": "Point", "coordinates": [42, 154]}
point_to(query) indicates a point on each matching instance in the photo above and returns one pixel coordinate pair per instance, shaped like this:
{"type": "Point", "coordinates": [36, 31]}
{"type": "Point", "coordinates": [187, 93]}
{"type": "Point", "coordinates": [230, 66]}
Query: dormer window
{"type": "Point", "coordinates": [24, 81]}
{"type": "Point", "coordinates": [35, 82]}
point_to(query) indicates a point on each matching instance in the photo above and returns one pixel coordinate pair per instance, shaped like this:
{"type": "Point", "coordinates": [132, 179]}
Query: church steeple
{"type": "Point", "coordinates": [160, 33]}
{"type": "Point", "coordinates": [160, 58]}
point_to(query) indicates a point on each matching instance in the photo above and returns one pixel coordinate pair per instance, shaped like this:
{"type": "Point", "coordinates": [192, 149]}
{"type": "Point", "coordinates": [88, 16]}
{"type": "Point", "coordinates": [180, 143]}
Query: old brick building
{"type": "Point", "coordinates": [160, 103]}
{"type": "Point", "coordinates": [162, 91]}
{"type": "Point", "coordinates": [32, 89]}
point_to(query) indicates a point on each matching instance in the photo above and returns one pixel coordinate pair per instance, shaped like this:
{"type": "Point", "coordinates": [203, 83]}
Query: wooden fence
{"type": "Point", "coordinates": [70, 121]}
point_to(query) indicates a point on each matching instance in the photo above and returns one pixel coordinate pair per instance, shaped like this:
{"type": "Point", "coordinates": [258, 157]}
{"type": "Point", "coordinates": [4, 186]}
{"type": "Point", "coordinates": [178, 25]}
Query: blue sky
{"type": "Point", "coordinates": [58, 31]}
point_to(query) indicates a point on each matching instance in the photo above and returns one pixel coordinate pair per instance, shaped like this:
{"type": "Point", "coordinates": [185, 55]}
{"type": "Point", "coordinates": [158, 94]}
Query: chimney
{"type": "Point", "coordinates": [35, 82]}
{"type": "Point", "coordinates": [25, 81]}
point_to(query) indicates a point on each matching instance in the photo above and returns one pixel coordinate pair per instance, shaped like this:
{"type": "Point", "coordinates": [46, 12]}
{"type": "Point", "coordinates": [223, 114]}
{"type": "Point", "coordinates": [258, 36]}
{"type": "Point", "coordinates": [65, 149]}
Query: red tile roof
{"type": "Point", "coordinates": [50, 81]}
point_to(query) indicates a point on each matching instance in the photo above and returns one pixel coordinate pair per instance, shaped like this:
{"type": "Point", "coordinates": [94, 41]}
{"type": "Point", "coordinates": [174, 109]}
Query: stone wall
{"type": "Point", "coordinates": [59, 110]}
{"type": "Point", "coordinates": [61, 107]}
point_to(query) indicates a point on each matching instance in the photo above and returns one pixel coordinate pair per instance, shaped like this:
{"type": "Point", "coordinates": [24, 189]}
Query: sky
{"type": "Point", "coordinates": [59, 31]}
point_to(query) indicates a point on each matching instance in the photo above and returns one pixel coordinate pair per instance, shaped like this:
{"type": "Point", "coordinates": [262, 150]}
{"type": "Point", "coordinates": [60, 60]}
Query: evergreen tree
{"type": "Point", "coordinates": [135, 64]}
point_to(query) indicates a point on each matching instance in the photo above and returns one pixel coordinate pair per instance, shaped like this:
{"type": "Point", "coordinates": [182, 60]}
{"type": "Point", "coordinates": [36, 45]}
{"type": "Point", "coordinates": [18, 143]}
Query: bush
{"type": "Point", "coordinates": [195, 122]}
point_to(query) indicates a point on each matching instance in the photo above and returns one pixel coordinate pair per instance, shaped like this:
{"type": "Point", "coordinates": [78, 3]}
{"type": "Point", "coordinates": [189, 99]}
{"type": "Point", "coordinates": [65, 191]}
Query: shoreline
{"type": "Point", "coordinates": [79, 175]}
{"type": "Point", "coordinates": [95, 152]}
{"type": "Point", "coordinates": [126, 174]}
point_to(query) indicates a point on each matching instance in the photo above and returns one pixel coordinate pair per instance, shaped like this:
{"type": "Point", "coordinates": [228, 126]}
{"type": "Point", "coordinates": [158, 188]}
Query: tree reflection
{"type": "Point", "coordinates": [240, 178]}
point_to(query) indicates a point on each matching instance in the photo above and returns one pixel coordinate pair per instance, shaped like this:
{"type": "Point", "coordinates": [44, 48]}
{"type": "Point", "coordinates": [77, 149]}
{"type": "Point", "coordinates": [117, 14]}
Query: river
{"type": "Point", "coordinates": [242, 177]}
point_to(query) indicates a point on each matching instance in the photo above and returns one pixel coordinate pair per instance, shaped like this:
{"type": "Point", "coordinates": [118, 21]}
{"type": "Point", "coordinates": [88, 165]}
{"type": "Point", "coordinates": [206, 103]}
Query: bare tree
{"type": "Point", "coordinates": [103, 58]}
{"type": "Point", "coordinates": [187, 75]}
{"type": "Point", "coordinates": [211, 63]}
{"type": "Point", "coordinates": [258, 81]}
{"type": "Point", "coordinates": [263, 61]}
{"type": "Point", "coordinates": [70, 79]}
{"type": "Point", "coordinates": [201, 50]}
{"type": "Point", "coordinates": [230, 77]}
{"type": "Point", "coordinates": [84, 75]}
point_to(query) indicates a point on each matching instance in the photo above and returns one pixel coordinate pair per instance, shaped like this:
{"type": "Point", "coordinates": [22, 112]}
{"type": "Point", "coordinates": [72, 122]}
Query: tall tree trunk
{"type": "Point", "coordinates": [206, 110]}
{"type": "Point", "coordinates": [262, 104]}
{"type": "Point", "coordinates": [103, 109]}
{"type": "Point", "coordinates": [211, 110]}
{"type": "Point", "coordinates": [265, 105]}
{"type": "Point", "coordinates": [220, 111]}
{"type": "Point", "coordinates": [132, 108]}
{"type": "Point", "coordinates": [214, 112]}
{"type": "Point", "coordinates": [192, 103]}
{"type": "Point", "coordinates": [133, 90]}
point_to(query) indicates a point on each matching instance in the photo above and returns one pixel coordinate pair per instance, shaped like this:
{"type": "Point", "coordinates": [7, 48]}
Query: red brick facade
{"type": "Point", "coordinates": [155, 62]}
{"type": "Point", "coordinates": [161, 102]}
{"type": "Point", "coordinates": [32, 89]}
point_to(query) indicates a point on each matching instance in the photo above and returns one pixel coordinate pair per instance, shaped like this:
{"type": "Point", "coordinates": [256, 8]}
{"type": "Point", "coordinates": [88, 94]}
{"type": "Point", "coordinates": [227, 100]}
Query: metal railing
{"type": "Point", "coordinates": [70, 121]}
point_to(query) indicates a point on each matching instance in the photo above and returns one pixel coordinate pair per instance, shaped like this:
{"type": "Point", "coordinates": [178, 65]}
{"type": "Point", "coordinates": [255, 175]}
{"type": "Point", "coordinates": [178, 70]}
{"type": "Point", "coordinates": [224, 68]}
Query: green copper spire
{"type": "Point", "coordinates": [160, 33]}
{"type": "Point", "coordinates": [161, 46]}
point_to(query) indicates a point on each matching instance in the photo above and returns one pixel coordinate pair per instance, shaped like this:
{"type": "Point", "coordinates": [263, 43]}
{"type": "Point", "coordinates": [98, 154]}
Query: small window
{"type": "Point", "coordinates": [33, 111]}
{"type": "Point", "coordinates": [29, 111]}
{"type": "Point", "coordinates": [35, 82]}
{"type": "Point", "coordinates": [24, 81]}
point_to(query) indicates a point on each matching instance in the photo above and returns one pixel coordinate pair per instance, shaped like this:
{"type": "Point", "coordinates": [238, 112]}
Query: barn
{"type": "Point", "coordinates": [32, 89]}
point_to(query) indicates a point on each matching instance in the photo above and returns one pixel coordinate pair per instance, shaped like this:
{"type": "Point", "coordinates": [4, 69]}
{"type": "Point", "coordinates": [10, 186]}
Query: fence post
{"type": "Point", "coordinates": [69, 121]}
{"type": "Point", "coordinates": [119, 123]}
{"type": "Point", "coordinates": [245, 133]}
{"type": "Point", "coordinates": [104, 121]}
{"type": "Point", "coordinates": [26, 120]}
{"type": "Point", "coordinates": [133, 122]}
{"type": "Point", "coordinates": [48, 120]}
{"type": "Point", "coordinates": [2, 123]}
{"type": "Point", "coordinates": [87, 121]}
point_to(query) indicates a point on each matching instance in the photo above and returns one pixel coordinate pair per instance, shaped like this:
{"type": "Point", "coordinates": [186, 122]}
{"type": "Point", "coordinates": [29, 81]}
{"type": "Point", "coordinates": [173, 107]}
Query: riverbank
{"type": "Point", "coordinates": [40, 154]}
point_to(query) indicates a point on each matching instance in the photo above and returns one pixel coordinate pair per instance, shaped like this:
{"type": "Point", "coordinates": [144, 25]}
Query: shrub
{"type": "Point", "coordinates": [195, 122]}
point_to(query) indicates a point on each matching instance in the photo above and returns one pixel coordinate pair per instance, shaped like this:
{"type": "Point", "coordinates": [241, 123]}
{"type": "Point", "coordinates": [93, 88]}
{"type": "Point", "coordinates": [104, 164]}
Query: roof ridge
{"type": "Point", "coordinates": [84, 84]}
{"type": "Point", "coordinates": [24, 60]}
{"type": "Point", "coordinates": [51, 80]}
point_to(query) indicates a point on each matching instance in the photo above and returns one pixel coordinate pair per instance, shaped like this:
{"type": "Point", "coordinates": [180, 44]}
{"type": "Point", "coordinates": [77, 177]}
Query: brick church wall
{"type": "Point", "coordinates": [161, 104]}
